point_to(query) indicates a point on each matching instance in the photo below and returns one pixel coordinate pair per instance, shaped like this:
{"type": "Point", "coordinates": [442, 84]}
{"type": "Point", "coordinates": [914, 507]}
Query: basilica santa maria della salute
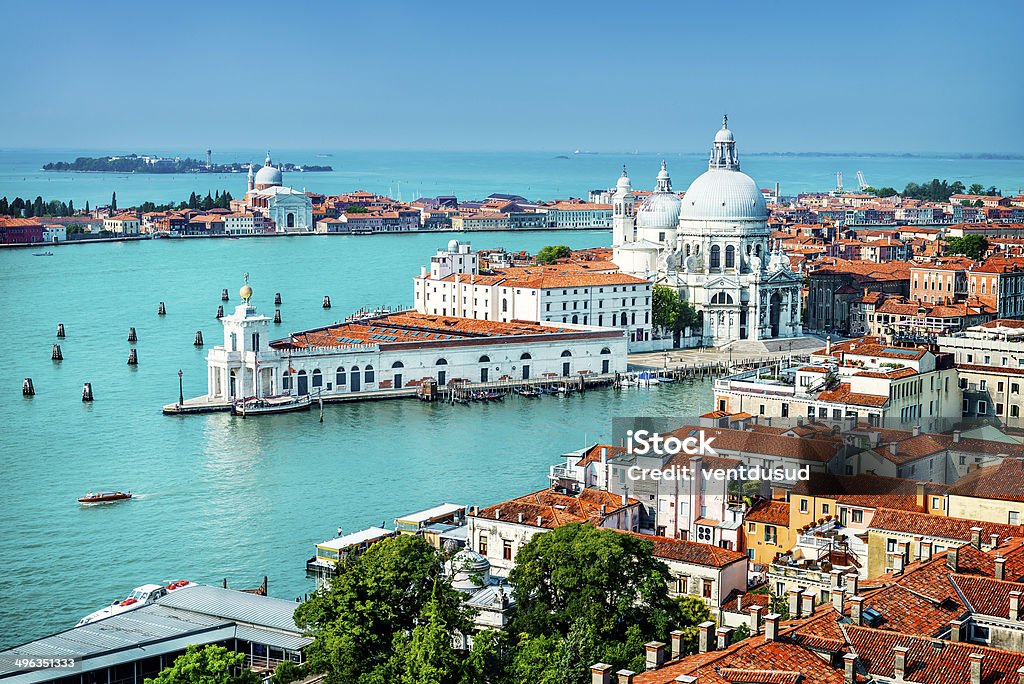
{"type": "Point", "coordinates": [712, 246]}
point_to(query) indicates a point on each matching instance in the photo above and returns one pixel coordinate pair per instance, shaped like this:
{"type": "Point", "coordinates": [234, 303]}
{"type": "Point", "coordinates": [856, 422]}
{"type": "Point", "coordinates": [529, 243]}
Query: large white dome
{"type": "Point", "coordinates": [724, 195]}
{"type": "Point", "coordinates": [659, 210]}
{"type": "Point", "coordinates": [269, 175]}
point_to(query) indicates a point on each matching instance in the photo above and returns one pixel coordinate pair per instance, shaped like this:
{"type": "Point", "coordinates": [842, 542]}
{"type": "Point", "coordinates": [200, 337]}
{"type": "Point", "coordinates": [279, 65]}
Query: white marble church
{"type": "Point", "coordinates": [291, 210]}
{"type": "Point", "coordinates": [712, 246]}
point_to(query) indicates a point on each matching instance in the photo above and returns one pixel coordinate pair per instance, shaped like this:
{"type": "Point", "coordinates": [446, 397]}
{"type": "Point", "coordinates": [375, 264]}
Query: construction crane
{"type": "Point", "coordinates": [839, 182]}
{"type": "Point", "coordinates": [861, 182]}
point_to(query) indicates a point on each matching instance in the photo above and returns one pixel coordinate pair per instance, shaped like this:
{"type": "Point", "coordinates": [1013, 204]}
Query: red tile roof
{"type": "Point", "coordinates": [692, 552]}
{"type": "Point", "coordinates": [1003, 482]}
{"type": "Point", "coordinates": [769, 512]}
{"type": "Point", "coordinates": [942, 527]}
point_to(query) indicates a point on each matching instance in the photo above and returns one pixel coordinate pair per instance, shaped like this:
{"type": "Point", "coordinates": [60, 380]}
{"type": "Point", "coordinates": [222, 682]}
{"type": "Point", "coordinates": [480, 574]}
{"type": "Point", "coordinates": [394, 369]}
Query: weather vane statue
{"type": "Point", "coordinates": [245, 290]}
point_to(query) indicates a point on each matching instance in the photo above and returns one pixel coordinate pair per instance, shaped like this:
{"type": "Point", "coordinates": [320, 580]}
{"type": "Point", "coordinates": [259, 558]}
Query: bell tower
{"type": "Point", "coordinates": [623, 211]}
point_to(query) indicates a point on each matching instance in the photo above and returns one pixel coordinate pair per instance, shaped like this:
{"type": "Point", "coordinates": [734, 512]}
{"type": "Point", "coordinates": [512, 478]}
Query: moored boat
{"type": "Point", "coordinates": [140, 596]}
{"type": "Point", "coordinates": [267, 405]}
{"type": "Point", "coordinates": [104, 497]}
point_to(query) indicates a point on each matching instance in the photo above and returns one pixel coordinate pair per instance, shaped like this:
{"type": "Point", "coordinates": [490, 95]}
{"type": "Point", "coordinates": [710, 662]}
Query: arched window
{"type": "Point", "coordinates": [575, 318]}
{"type": "Point", "coordinates": [622, 319]}
{"type": "Point", "coordinates": [566, 353]}
{"type": "Point", "coordinates": [721, 298]}
{"type": "Point", "coordinates": [687, 249]}
{"type": "Point", "coordinates": [525, 356]}
{"type": "Point", "coordinates": [730, 257]}
{"type": "Point", "coordinates": [485, 359]}
{"type": "Point", "coordinates": [504, 305]}
{"type": "Point", "coordinates": [318, 378]}
{"type": "Point", "coordinates": [368, 374]}
{"type": "Point", "coordinates": [339, 376]}
{"type": "Point", "coordinates": [286, 380]}
{"type": "Point", "coordinates": [441, 362]}
{"type": "Point", "coordinates": [757, 249]}
{"type": "Point", "coordinates": [606, 350]}
{"type": "Point", "coordinates": [398, 364]}
{"type": "Point", "coordinates": [716, 257]}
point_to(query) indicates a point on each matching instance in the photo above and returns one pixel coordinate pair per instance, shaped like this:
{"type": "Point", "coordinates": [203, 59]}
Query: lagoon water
{"type": "Point", "coordinates": [219, 496]}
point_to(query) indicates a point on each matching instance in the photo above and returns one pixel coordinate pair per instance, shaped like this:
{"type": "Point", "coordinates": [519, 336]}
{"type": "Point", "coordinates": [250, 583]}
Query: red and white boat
{"type": "Point", "coordinates": [104, 497]}
{"type": "Point", "coordinates": [140, 596]}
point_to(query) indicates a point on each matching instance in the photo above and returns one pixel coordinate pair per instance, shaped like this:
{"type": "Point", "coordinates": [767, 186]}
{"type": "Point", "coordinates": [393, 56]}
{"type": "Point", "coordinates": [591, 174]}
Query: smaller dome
{"type": "Point", "coordinates": [724, 135]}
{"type": "Point", "coordinates": [468, 570]}
{"type": "Point", "coordinates": [453, 245]}
{"type": "Point", "coordinates": [623, 183]}
{"type": "Point", "coordinates": [246, 292]}
{"type": "Point", "coordinates": [659, 210]}
{"type": "Point", "coordinates": [269, 176]}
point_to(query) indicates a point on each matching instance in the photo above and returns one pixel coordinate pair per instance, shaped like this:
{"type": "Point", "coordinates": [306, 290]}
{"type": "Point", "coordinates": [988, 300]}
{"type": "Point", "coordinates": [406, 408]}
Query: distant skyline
{"type": "Point", "coordinates": [557, 76]}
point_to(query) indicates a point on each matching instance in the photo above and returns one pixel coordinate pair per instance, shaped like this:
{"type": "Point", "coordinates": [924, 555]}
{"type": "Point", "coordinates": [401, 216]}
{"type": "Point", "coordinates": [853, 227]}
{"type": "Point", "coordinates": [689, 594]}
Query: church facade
{"type": "Point", "coordinates": [291, 210]}
{"type": "Point", "coordinates": [711, 246]}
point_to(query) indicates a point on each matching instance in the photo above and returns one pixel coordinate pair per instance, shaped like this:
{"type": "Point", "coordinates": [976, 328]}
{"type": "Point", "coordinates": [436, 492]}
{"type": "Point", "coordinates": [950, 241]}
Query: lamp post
{"type": "Point", "coordinates": [181, 395]}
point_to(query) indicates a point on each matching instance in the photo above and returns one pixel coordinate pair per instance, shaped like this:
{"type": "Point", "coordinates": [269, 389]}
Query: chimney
{"type": "Point", "coordinates": [838, 598]}
{"type": "Point", "coordinates": [956, 630]}
{"type": "Point", "coordinates": [926, 551]}
{"type": "Point", "coordinates": [540, 521]}
{"type": "Point", "coordinates": [676, 642]}
{"type": "Point", "coordinates": [704, 643]}
{"type": "Point", "coordinates": [1000, 568]}
{"type": "Point", "coordinates": [900, 656]}
{"type": "Point", "coordinates": [976, 537]}
{"type": "Point", "coordinates": [828, 345]}
{"type": "Point", "coordinates": [625, 499]}
{"type": "Point", "coordinates": [771, 626]}
{"type": "Point", "coordinates": [993, 540]}
{"type": "Point", "coordinates": [856, 604]}
{"type": "Point", "coordinates": [807, 603]}
{"type": "Point", "coordinates": [497, 514]}
{"type": "Point", "coordinates": [952, 559]}
{"type": "Point", "coordinates": [835, 578]}
{"type": "Point", "coordinates": [1014, 605]}
{"type": "Point", "coordinates": [916, 431]}
{"type": "Point", "coordinates": [625, 676]}
{"type": "Point", "coordinates": [892, 448]}
{"type": "Point", "coordinates": [849, 665]}
{"type": "Point", "coordinates": [600, 673]}
{"type": "Point", "coordinates": [897, 563]}
{"type": "Point", "coordinates": [739, 603]}
{"type": "Point", "coordinates": [852, 583]}
{"type": "Point", "coordinates": [794, 602]}
{"type": "Point", "coordinates": [520, 517]}
{"type": "Point", "coordinates": [755, 620]}
{"type": "Point", "coordinates": [724, 635]}
{"type": "Point", "coordinates": [956, 436]}
{"type": "Point", "coordinates": [922, 499]}
{"type": "Point", "coordinates": [655, 654]}
{"type": "Point", "coordinates": [976, 659]}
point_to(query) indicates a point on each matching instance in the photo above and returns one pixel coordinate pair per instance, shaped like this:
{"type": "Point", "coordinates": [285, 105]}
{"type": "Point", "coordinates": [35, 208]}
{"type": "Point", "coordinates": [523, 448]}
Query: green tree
{"type": "Point", "coordinates": [552, 253]}
{"type": "Point", "coordinates": [976, 189]}
{"type": "Point", "coordinates": [884, 191]}
{"type": "Point", "coordinates": [427, 656]}
{"type": "Point", "coordinates": [579, 589]}
{"type": "Point", "coordinates": [972, 246]}
{"type": "Point", "coordinates": [71, 207]}
{"type": "Point", "coordinates": [5, 207]}
{"type": "Point", "coordinates": [693, 611]}
{"type": "Point", "coordinates": [374, 599]}
{"type": "Point", "coordinates": [287, 672]}
{"type": "Point", "coordinates": [666, 306]}
{"type": "Point", "coordinates": [87, 210]}
{"type": "Point", "coordinates": [210, 664]}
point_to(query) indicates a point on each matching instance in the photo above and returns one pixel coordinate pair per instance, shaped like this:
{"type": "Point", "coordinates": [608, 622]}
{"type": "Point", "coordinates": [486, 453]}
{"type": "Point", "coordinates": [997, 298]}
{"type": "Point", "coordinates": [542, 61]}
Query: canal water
{"type": "Point", "coordinates": [218, 496]}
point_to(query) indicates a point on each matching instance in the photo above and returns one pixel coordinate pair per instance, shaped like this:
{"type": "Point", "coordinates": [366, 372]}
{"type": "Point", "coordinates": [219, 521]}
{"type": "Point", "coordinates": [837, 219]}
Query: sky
{"type": "Point", "coordinates": [653, 76]}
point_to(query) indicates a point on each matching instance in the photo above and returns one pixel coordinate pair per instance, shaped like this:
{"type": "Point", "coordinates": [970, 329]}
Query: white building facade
{"type": "Point", "coordinates": [291, 210]}
{"type": "Point", "coordinates": [713, 248]}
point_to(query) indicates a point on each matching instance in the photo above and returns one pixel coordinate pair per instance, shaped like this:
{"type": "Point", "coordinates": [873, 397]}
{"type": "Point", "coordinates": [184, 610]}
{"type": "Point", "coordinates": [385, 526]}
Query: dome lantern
{"type": "Point", "coordinates": [723, 154]}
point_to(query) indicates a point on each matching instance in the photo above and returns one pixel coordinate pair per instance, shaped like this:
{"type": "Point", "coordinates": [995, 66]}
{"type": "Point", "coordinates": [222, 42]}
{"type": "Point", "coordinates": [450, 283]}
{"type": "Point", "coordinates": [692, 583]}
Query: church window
{"type": "Point", "coordinates": [730, 257]}
{"type": "Point", "coordinates": [716, 256]}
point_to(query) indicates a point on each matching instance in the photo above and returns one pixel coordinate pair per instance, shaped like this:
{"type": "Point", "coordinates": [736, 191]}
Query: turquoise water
{"type": "Point", "coordinates": [222, 497]}
{"type": "Point", "coordinates": [535, 175]}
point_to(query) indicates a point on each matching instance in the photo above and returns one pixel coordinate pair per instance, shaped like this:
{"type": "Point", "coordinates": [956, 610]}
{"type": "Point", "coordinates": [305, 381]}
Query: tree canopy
{"type": "Point", "coordinates": [552, 253]}
{"type": "Point", "coordinates": [972, 246]}
{"type": "Point", "coordinates": [583, 595]}
{"type": "Point", "coordinates": [670, 312]}
{"type": "Point", "coordinates": [210, 664]}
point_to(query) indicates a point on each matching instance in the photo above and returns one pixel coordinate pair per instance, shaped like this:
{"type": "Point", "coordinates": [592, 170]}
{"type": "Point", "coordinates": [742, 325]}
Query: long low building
{"type": "Point", "coordinates": [131, 646]}
{"type": "Point", "coordinates": [398, 351]}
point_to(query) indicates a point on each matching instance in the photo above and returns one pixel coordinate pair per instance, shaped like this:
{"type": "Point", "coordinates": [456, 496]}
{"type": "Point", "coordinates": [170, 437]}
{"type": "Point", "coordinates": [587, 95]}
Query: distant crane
{"type": "Point", "coordinates": [839, 182]}
{"type": "Point", "coordinates": [209, 159]}
{"type": "Point", "coordinates": [861, 182]}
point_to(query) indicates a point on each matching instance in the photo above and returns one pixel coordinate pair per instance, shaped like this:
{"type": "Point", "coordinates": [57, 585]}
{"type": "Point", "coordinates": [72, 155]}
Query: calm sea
{"type": "Point", "coordinates": [222, 497]}
{"type": "Point", "coordinates": [534, 175]}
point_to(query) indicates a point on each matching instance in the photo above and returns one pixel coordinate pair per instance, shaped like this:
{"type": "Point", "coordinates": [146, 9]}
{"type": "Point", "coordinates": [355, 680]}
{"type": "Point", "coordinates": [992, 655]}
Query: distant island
{"type": "Point", "coordinates": [137, 163]}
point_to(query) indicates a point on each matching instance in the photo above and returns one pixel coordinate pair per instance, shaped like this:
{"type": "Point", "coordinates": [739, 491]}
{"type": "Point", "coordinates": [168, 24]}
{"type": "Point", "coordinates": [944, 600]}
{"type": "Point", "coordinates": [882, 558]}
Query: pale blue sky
{"type": "Point", "coordinates": [523, 75]}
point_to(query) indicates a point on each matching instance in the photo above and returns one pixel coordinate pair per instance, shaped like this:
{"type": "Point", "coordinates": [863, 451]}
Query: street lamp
{"type": "Point", "coordinates": [181, 395]}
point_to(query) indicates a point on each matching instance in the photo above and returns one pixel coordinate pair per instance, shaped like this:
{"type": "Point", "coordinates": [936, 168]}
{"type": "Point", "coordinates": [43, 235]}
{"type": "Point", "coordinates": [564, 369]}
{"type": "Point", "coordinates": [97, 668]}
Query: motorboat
{"type": "Point", "coordinates": [139, 596]}
{"type": "Point", "coordinates": [104, 497]}
{"type": "Point", "coordinates": [267, 405]}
